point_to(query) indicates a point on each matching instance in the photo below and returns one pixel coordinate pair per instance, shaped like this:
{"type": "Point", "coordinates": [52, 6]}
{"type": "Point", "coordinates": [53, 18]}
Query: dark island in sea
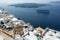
{"type": "Point", "coordinates": [43, 11]}
{"type": "Point", "coordinates": [32, 5]}
{"type": "Point", "coordinates": [28, 5]}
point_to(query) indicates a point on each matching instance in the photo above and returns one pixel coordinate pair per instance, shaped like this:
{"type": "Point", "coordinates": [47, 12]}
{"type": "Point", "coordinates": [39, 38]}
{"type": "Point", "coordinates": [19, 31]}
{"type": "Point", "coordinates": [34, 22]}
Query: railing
{"type": "Point", "coordinates": [9, 34]}
{"type": "Point", "coordinates": [6, 32]}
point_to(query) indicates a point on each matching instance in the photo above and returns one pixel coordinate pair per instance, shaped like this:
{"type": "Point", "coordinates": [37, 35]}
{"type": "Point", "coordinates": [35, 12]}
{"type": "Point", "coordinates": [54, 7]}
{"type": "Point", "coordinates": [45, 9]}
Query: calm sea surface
{"type": "Point", "coordinates": [30, 15]}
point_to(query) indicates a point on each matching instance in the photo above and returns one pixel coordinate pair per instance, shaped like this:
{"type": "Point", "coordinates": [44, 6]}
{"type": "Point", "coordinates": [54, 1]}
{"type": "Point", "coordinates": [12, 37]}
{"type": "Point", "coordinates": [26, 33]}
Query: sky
{"type": "Point", "coordinates": [25, 1]}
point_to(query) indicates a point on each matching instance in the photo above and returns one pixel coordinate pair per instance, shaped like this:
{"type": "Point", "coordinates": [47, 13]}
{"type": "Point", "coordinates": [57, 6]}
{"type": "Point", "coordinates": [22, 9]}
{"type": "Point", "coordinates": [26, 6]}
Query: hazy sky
{"type": "Point", "coordinates": [25, 1]}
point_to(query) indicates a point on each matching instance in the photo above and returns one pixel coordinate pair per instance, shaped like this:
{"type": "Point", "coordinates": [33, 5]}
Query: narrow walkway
{"type": "Point", "coordinates": [5, 36]}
